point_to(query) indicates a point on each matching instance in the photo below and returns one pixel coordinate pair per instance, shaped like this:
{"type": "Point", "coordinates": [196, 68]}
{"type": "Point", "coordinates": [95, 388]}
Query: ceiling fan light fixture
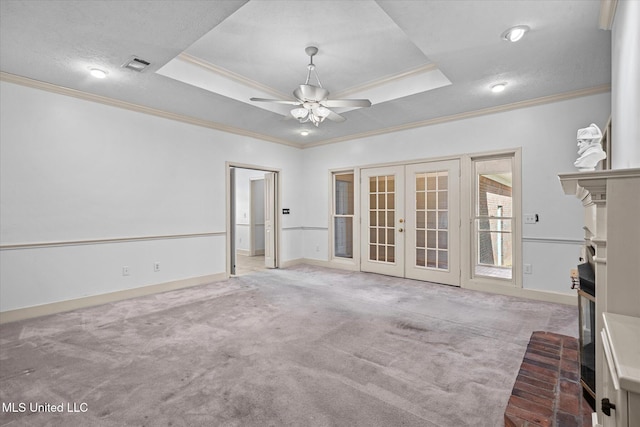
{"type": "Point", "coordinates": [299, 113]}
{"type": "Point", "coordinates": [313, 103]}
{"type": "Point", "coordinates": [314, 119]}
{"type": "Point", "coordinates": [516, 33]}
{"type": "Point", "coordinates": [322, 112]}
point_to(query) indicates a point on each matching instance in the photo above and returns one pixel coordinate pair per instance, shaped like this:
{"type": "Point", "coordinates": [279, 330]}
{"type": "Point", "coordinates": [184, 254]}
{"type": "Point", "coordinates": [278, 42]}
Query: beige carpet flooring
{"type": "Point", "coordinates": [304, 346]}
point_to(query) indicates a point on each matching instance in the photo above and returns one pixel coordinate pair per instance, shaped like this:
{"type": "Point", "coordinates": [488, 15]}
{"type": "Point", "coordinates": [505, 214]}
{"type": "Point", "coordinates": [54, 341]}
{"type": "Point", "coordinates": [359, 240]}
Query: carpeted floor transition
{"type": "Point", "coordinates": [304, 346]}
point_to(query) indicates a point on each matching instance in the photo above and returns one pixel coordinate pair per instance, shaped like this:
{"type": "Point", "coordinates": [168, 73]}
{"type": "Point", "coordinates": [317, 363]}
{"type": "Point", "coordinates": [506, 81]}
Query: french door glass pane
{"type": "Point", "coordinates": [431, 259]}
{"type": "Point", "coordinates": [432, 204]}
{"type": "Point", "coordinates": [382, 218]}
{"type": "Point", "coordinates": [391, 253]}
{"type": "Point", "coordinates": [493, 218]}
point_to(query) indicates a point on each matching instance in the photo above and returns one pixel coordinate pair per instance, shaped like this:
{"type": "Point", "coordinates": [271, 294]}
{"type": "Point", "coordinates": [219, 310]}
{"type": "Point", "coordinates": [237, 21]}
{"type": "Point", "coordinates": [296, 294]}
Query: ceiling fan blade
{"type": "Point", "coordinates": [277, 101]}
{"type": "Point", "coordinates": [335, 117]}
{"type": "Point", "coordinates": [346, 103]}
{"type": "Point", "coordinates": [310, 93]}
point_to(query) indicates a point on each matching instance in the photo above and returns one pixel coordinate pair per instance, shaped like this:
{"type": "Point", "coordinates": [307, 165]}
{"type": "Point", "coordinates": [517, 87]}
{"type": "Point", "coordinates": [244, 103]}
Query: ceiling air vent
{"type": "Point", "coordinates": [136, 64]}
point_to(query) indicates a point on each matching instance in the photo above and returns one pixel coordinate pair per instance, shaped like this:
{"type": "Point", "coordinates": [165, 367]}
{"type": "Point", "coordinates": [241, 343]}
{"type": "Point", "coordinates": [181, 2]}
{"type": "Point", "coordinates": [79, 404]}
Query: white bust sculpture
{"type": "Point", "coordinates": [589, 148]}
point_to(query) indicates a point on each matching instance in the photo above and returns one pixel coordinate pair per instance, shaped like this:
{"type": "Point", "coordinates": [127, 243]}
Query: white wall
{"type": "Point", "coordinates": [75, 170]}
{"type": "Point", "coordinates": [625, 85]}
{"type": "Point", "coordinates": [546, 134]}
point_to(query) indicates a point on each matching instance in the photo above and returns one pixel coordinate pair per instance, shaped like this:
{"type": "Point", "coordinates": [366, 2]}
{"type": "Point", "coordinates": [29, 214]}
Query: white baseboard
{"type": "Point", "coordinates": [308, 261]}
{"type": "Point", "coordinates": [247, 252]}
{"type": "Point", "coordinates": [292, 262]}
{"type": "Point", "coordinates": [74, 304]}
{"type": "Point", "coordinates": [533, 294]}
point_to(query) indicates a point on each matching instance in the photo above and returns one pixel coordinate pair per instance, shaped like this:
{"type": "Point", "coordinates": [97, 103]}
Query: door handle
{"type": "Point", "coordinates": [400, 230]}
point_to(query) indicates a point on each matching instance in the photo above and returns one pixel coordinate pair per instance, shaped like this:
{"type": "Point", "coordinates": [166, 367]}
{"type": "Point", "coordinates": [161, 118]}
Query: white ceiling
{"type": "Point", "coordinates": [418, 61]}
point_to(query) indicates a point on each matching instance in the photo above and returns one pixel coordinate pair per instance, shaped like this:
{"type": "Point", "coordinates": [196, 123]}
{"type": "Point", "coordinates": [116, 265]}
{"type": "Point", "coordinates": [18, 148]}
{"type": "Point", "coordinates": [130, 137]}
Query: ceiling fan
{"type": "Point", "coordinates": [312, 101]}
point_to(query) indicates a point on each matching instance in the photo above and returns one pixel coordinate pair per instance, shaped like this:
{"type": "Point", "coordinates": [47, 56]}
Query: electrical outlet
{"type": "Point", "coordinates": [530, 218]}
{"type": "Point", "coordinates": [125, 271]}
{"type": "Point", "coordinates": [528, 269]}
{"type": "Point", "coordinates": [156, 266]}
{"type": "Point", "coordinates": [317, 248]}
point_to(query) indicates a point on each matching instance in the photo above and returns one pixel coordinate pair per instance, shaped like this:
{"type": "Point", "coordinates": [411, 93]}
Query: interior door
{"type": "Point", "coordinates": [433, 222]}
{"type": "Point", "coordinates": [270, 216]}
{"type": "Point", "coordinates": [410, 223]}
{"type": "Point", "coordinates": [382, 198]}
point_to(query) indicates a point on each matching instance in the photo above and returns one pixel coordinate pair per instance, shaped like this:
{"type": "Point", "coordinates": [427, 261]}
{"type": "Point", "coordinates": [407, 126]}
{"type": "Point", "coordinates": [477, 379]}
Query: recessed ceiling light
{"type": "Point", "coordinates": [304, 133]}
{"type": "Point", "coordinates": [499, 87]}
{"type": "Point", "coordinates": [514, 34]}
{"type": "Point", "coordinates": [98, 73]}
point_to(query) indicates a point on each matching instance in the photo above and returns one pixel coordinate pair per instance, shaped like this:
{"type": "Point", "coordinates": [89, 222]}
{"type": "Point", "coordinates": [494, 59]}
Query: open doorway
{"type": "Point", "coordinates": [253, 226]}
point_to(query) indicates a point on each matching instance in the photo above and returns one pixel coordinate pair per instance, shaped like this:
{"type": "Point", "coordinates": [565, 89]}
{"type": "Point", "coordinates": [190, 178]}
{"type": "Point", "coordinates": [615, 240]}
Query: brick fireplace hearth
{"type": "Point", "coordinates": [547, 391]}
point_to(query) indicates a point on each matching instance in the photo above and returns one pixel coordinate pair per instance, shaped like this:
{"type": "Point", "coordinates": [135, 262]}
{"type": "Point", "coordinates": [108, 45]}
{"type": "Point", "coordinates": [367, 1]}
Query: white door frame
{"type": "Point", "coordinates": [270, 218]}
{"type": "Point", "coordinates": [230, 220]}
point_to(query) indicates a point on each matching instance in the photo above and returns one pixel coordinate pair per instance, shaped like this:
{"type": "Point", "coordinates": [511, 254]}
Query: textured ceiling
{"type": "Point", "coordinates": [401, 54]}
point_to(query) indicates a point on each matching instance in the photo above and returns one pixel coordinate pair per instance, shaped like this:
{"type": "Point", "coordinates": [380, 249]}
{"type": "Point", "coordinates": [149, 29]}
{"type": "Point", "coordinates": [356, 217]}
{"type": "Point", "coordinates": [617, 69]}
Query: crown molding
{"type": "Point", "coordinates": [469, 114]}
{"type": "Point", "coordinates": [231, 75]}
{"type": "Point", "coordinates": [385, 80]}
{"type": "Point", "coordinates": [607, 14]}
{"type": "Point", "coordinates": [61, 90]}
{"type": "Point", "coordinates": [36, 84]}
{"type": "Point", "coordinates": [264, 88]}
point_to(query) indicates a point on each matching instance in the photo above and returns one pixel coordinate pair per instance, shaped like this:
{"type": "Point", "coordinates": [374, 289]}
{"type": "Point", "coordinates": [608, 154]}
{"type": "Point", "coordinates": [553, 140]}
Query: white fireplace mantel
{"type": "Point", "coordinates": [611, 200]}
{"type": "Point", "coordinates": [591, 187]}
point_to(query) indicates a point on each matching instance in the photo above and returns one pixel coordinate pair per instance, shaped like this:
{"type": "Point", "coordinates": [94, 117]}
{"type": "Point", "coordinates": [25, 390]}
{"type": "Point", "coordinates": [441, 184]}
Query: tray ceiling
{"type": "Point", "coordinates": [418, 61]}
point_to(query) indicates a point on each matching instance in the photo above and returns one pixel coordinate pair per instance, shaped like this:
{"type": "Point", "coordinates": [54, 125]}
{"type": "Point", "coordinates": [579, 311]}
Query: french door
{"type": "Point", "coordinates": [411, 221]}
{"type": "Point", "coordinates": [382, 221]}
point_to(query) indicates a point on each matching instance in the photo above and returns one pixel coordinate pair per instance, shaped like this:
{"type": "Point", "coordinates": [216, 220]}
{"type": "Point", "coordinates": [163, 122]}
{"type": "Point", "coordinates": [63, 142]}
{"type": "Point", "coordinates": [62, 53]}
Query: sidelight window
{"type": "Point", "coordinates": [493, 217]}
{"type": "Point", "coordinates": [343, 212]}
